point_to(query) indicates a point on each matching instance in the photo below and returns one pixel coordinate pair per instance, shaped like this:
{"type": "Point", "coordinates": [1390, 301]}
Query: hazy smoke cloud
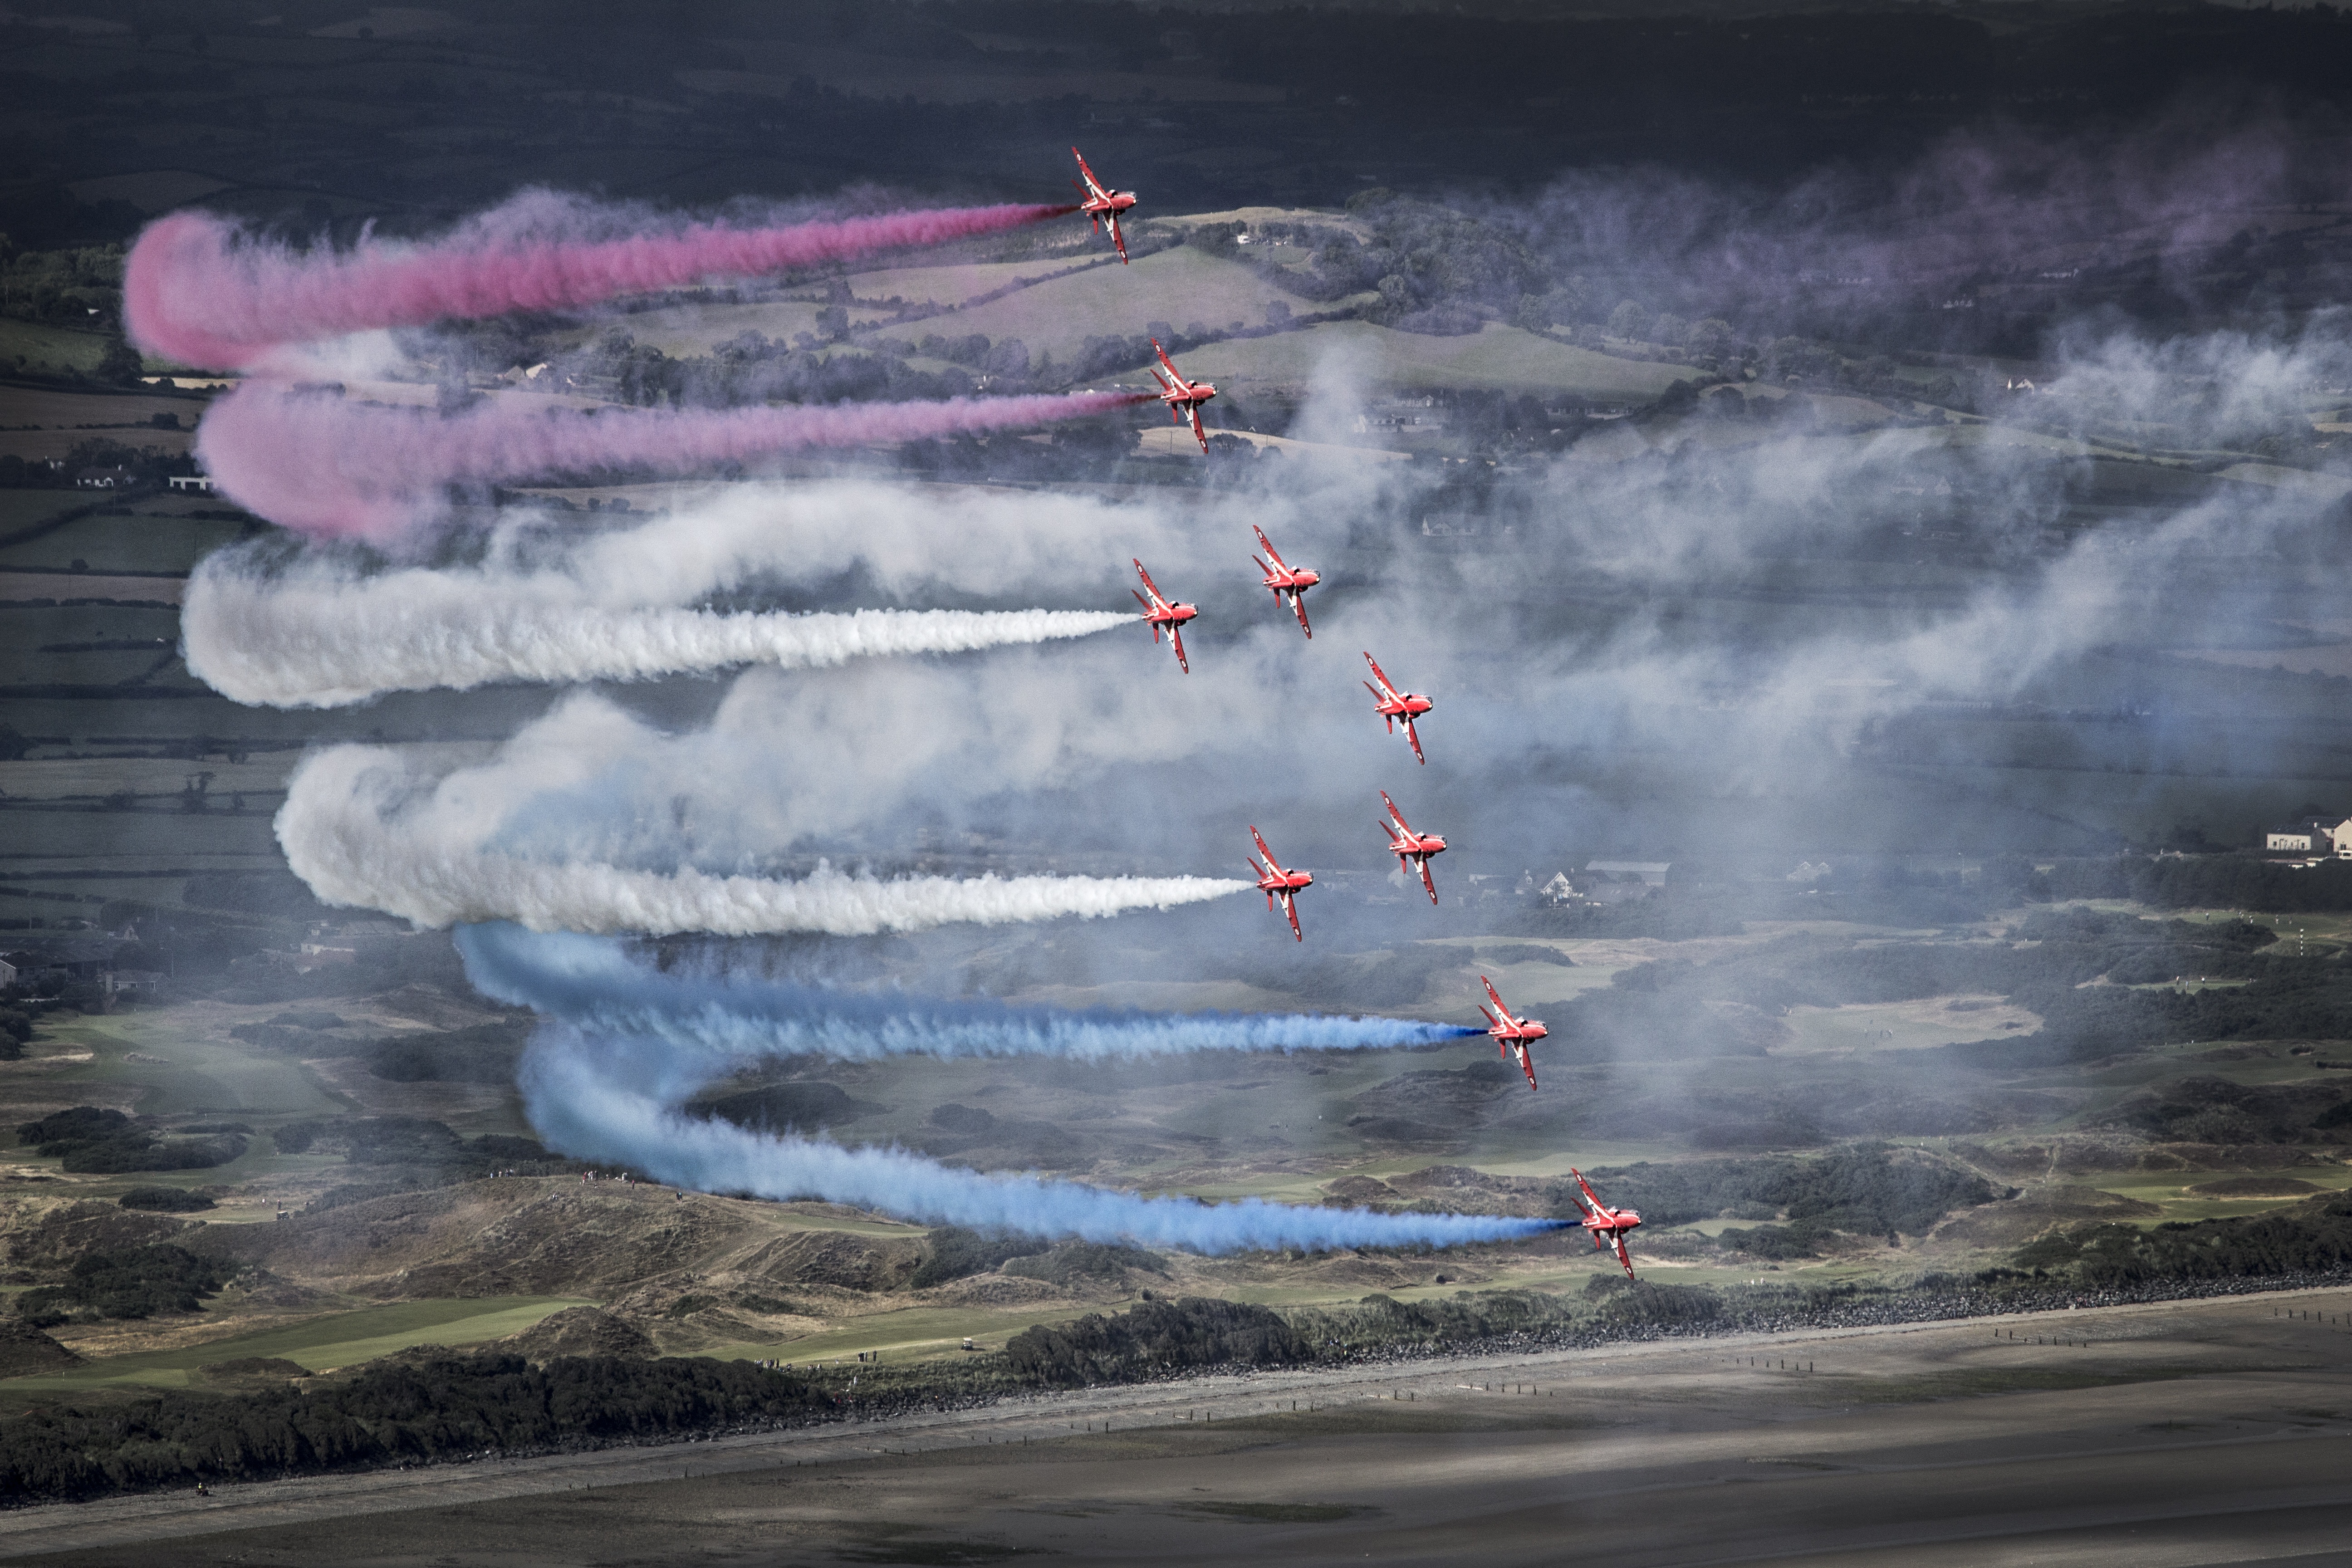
{"type": "Point", "coordinates": [322, 466]}
{"type": "Point", "coordinates": [362, 829]}
{"type": "Point", "coordinates": [198, 290]}
{"type": "Point", "coordinates": [613, 1101]}
{"type": "Point", "coordinates": [595, 983]}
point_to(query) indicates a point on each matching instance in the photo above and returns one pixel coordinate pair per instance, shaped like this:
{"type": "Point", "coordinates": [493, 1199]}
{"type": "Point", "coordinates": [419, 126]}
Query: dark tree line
{"type": "Point", "coordinates": [439, 1407]}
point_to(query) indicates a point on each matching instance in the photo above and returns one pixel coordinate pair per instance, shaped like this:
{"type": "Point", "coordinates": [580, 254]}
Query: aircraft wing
{"type": "Point", "coordinates": [1492, 994]}
{"type": "Point", "coordinates": [1427, 881]}
{"type": "Point", "coordinates": [1621, 1257]}
{"type": "Point", "coordinates": [1263, 850]}
{"type": "Point", "coordinates": [1298, 608]}
{"type": "Point", "coordinates": [1194, 410]}
{"type": "Point", "coordinates": [1527, 1066]}
{"type": "Point", "coordinates": [1158, 600]}
{"type": "Point", "coordinates": [1402, 825]}
{"type": "Point", "coordinates": [1290, 908]}
{"type": "Point", "coordinates": [1176, 637]}
{"type": "Point", "coordinates": [1166, 361]}
{"type": "Point", "coordinates": [1387, 691]}
{"type": "Point", "coordinates": [1093, 186]}
{"type": "Point", "coordinates": [1119, 240]}
{"type": "Point", "coordinates": [1412, 736]}
{"type": "Point", "coordinates": [1586, 1186]}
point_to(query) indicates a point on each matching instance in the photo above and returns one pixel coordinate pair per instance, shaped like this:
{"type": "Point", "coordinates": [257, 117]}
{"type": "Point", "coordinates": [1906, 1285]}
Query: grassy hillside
{"type": "Point", "coordinates": [1179, 286]}
{"type": "Point", "coordinates": [1499, 359]}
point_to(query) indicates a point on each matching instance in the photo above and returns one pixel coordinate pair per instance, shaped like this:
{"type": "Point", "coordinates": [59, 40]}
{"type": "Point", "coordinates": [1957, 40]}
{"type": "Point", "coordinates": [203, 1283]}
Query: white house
{"type": "Point", "coordinates": [192, 484]}
{"type": "Point", "coordinates": [2320, 835]}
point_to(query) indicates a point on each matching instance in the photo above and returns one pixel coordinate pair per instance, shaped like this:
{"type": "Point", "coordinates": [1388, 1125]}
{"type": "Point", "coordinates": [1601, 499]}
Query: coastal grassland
{"type": "Point", "coordinates": [333, 1339]}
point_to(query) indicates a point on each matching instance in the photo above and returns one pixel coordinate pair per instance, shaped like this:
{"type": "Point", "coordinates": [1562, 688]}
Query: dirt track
{"type": "Point", "coordinates": [2170, 1433]}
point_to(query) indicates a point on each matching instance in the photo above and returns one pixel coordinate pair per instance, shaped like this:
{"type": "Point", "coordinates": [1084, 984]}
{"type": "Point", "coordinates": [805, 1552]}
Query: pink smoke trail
{"type": "Point", "coordinates": [198, 290]}
{"type": "Point", "coordinates": [309, 461]}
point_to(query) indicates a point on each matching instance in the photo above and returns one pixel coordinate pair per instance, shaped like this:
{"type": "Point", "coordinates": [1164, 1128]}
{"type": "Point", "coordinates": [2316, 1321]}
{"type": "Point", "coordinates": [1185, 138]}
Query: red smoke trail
{"type": "Point", "coordinates": [311, 462]}
{"type": "Point", "coordinates": [198, 290]}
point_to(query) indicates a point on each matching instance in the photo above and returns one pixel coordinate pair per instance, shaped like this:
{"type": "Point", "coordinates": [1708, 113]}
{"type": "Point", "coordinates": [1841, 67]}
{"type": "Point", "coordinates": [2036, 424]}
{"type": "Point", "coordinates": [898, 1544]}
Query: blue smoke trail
{"type": "Point", "coordinates": [593, 982]}
{"type": "Point", "coordinates": [617, 1100]}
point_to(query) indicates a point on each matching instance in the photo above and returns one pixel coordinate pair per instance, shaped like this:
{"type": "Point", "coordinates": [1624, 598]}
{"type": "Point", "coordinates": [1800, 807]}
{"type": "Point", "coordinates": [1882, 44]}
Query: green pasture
{"type": "Point", "coordinates": [685, 331]}
{"type": "Point", "coordinates": [1497, 359]}
{"type": "Point", "coordinates": [189, 1067]}
{"type": "Point", "coordinates": [161, 540]}
{"type": "Point", "coordinates": [23, 509]}
{"type": "Point", "coordinates": [337, 1338]}
{"type": "Point", "coordinates": [64, 777]}
{"type": "Point", "coordinates": [24, 631]}
{"type": "Point", "coordinates": [1180, 287]}
{"type": "Point", "coordinates": [2168, 1190]}
{"type": "Point", "coordinates": [38, 345]}
{"type": "Point", "coordinates": [911, 1333]}
{"type": "Point", "coordinates": [949, 286]}
{"type": "Point", "coordinates": [140, 840]}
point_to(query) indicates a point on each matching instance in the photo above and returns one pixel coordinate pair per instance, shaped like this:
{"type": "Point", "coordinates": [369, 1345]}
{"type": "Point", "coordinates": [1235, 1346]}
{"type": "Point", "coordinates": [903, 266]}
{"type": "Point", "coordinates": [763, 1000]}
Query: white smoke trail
{"type": "Point", "coordinates": [258, 644]}
{"type": "Point", "coordinates": [361, 829]}
{"type": "Point", "coordinates": [614, 1100]}
{"type": "Point", "coordinates": [324, 630]}
{"type": "Point", "coordinates": [595, 983]}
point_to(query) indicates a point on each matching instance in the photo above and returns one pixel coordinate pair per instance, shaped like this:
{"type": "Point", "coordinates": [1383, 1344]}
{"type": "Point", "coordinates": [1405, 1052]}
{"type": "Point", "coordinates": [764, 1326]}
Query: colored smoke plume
{"type": "Point", "coordinates": [617, 1100]}
{"type": "Point", "coordinates": [595, 983]}
{"type": "Point", "coordinates": [311, 462]}
{"type": "Point", "coordinates": [202, 291]}
{"type": "Point", "coordinates": [362, 829]}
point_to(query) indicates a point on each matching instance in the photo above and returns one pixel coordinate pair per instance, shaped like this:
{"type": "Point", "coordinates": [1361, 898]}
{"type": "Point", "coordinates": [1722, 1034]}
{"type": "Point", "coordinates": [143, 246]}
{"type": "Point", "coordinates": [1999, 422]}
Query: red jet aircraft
{"type": "Point", "coordinates": [1513, 1036]}
{"type": "Point", "coordinates": [1607, 1224]}
{"type": "Point", "coordinates": [1157, 612]}
{"type": "Point", "coordinates": [1397, 707]}
{"type": "Point", "coordinates": [1412, 848]}
{"type": "Point", "coordinates": [1277, 883]}
{"type": "Point", "coordinates": [1286, 582]}
{"type": "Point", "coordinates": [1182, 396]}
{"type": "Point", "coordinates": [1102, 203]}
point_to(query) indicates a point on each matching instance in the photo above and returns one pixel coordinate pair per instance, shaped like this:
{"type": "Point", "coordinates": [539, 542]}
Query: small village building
{"type": "Point", "coordinates": [105, 480]}
{"type": "Point", "coordinates": [2315, 836]}
{"type": "Point", "coordinates": [192, 484]}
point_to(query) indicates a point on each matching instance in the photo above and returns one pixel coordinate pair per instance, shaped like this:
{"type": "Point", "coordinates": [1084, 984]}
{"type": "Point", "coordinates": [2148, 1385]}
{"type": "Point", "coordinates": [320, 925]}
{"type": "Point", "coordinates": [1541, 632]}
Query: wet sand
{"type": "Point", "coordinates": [2176, 1434]}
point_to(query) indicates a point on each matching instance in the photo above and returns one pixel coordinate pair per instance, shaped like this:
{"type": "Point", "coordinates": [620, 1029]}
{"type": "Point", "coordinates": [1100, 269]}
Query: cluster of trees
{"type": "Point", "coordinates": [87, 1138]}
{"type": "Point", "coordinates": [148, 464]}
{"type": "Point", "coordinates": [164, 1200]}
{"type": "Point", "coordinates": [416, 1140]}
{"type": "Point", "coordinates": [1085, 1261]}
{"type": "Point", "coordinates": [135, 1282]}
{"type": "Point", "coordinates": [64, 287]}
{"type": "Point", "coordinates": [2201, 881]}
{"type": "Point", "coordinates": [1867, 1188]}
{"type": "Point", "coordinates": [432, 1408]}
{"type": "Point", "coordinates": [479, 1053]}
{"type": "Point", "coordinates": [2311, 1238]}
{"type": "Point", "coordinates": [1153, 1340]}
